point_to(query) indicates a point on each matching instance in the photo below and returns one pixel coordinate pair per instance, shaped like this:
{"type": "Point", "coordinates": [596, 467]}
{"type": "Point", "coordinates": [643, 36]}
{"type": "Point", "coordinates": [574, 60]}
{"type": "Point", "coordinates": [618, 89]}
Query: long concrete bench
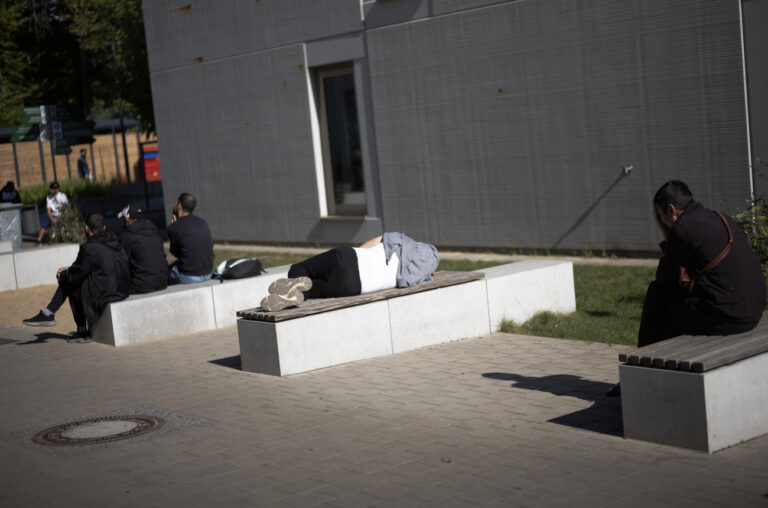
{"type": "Point", "coordinates": [181, 309]}
{"type": "Point", "coordinates": [33, 267]}
{"type": "Point", "coordinates": [700, 392]}
{"type": "Point", "coordinates": [323, 333]}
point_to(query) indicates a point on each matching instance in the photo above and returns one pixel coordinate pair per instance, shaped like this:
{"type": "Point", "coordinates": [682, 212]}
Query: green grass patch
{"type": "Point", "coordinates": [609, 301]}
{"type": "Point", "coordinates": [268, 259]}
{"type": "Point", "coordinates": [465, 265]}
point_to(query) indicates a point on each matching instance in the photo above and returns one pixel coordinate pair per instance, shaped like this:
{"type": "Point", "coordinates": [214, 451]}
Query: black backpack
{"type": "Point", "coordinates": [238, 268]}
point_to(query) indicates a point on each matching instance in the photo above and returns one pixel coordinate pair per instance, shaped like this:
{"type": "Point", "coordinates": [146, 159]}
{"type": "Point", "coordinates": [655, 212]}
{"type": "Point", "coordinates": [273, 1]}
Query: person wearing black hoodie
{"type": "Point", "coordinates": [146, 256]}
{"type": "Point", "coordinates": [98, 277]}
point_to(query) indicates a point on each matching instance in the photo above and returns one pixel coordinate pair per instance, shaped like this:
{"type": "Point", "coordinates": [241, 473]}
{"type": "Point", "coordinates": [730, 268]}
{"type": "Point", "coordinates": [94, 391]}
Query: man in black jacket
{"type": "Point", "coordinates": [726, 298]}
{"type": "Point", "coordinates": [728, 292]}
{"type": "Point", "coordinates": [98, 277]}
{"type": "Point", "coordinates": [191, 244]}
{"type": "Point", "coordinates": [146, 256]}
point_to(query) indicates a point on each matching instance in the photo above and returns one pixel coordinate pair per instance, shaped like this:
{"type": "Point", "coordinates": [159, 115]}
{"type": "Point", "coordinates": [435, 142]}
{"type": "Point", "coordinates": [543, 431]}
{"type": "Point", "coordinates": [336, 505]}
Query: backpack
{"type": "Point", "coordinates": [238, 268]}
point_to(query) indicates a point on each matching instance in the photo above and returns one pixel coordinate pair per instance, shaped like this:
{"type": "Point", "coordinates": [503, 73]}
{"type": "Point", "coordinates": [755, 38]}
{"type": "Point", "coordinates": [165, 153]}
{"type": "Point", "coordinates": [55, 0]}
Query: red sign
{"type": "Point", "coordinates": [151, 164]}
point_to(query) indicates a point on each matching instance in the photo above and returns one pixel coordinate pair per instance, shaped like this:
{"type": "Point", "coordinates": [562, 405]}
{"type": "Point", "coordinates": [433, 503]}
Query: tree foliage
{"type": "Point", "coordinates": [56, 52]}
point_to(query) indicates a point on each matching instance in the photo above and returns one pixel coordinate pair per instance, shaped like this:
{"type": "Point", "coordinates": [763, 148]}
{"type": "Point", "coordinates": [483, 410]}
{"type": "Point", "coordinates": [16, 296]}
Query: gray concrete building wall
{"type": "Point", "coordinates": [483, 123]}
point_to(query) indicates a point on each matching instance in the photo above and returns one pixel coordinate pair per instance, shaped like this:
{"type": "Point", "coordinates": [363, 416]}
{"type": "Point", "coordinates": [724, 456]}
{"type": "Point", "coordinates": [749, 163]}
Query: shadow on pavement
{"type": "Point", "coordinates": [42, 338]}
{"type": "Point", "coordinates": [233, 362]}
{"type": "Point", "coordinates": [604, 416]}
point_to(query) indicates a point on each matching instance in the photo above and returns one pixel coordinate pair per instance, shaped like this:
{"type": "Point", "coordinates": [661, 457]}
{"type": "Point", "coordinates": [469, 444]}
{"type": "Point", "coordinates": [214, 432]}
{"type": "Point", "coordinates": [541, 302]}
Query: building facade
{"type": "Point", "coordinates": [543, 124]}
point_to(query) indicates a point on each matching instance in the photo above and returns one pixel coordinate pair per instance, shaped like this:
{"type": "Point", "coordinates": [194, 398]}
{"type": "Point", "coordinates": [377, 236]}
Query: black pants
{"type": "Point", "coordinates": [334, 273]}
{"type": "Point", "coordinates": [666, 315]}
{"type": "Point", "coordinates": [64, 292]}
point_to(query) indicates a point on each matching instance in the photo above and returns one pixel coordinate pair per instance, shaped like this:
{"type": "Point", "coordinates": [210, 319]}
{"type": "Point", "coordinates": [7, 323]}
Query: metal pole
{"type": "Point", "coordinates": [16, 165]}
{"type": "Point", "coordinates": [51, 141]}
{"type": "Point", "coordinates": [117, 160]}
{"type": "Point", "coordinates": [69, 168]}
{"type": "Point", "coordinates": [125, 148]}
{"type": "Point", "coordinates": [42, 159]}
{"type": "Point", "coordinates": [750, 167]}
{"type": "Point", "coordinates": [93, 163]}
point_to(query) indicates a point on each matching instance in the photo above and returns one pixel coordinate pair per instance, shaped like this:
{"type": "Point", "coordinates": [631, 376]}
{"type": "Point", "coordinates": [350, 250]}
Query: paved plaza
{"type": "Point", "coordinates": [502, 420]}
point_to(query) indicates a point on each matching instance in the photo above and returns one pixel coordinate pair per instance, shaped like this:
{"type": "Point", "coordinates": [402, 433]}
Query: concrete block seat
{"type": "Point", "coordinates": [699, 392]}
{"type": "Point", "coordinates": [32, 267]}
{"type": "Point", "coordinates": [454, 305]}
{"type": "Point", "coordinates": [181, 309]}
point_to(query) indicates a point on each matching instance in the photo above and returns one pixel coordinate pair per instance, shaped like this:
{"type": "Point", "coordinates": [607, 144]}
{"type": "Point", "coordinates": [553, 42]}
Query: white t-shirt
{"type": "Point", "coordinates": [56, 202]}
{"type": "Point", "coordinates": [375, 273]}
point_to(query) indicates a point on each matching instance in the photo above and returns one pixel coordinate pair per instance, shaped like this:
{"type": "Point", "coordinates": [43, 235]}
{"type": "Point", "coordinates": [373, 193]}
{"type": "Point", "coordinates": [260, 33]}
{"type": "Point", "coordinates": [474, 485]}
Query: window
{"type": "Point", "coordinates": [340, 131]}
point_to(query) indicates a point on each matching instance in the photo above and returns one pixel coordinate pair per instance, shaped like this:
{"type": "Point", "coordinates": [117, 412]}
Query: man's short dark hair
{"type": "Point", "coordinates": [95, 222]}
{"type": "Point", "coordinates": [54, 185]}
{"type": "Point", "coordinates": [187, 202]}
{"type": "Point", "coordinates": [82, 150]}
{"type": "Point", "coordinates": [674, 192]}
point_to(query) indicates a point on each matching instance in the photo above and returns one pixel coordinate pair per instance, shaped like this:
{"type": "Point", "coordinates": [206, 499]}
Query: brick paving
{"type": "Point", "coordinates": [502, 420]}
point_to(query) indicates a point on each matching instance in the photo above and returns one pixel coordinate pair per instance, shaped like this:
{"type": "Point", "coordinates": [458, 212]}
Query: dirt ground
{"type": "Point", "coordinates": [18, 304]}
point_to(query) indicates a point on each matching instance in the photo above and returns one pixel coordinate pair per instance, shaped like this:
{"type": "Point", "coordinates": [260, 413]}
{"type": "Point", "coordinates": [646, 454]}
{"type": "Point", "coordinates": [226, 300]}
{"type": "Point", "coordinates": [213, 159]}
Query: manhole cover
{"type": "Point", "coordinates": [104, 429]}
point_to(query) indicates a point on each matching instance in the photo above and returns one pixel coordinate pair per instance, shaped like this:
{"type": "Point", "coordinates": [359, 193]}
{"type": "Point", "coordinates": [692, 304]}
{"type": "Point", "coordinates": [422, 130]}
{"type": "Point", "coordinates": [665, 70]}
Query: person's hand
{"type": "Point", "coordinates": [58, 272]}
{"type": "Point", "coordinates": [173, 217]}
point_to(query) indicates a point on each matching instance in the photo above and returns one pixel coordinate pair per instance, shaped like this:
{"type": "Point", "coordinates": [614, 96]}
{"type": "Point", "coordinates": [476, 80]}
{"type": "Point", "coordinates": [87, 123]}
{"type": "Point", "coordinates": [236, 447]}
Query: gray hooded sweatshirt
{"type": "Point", "coordinates": [417, 260]}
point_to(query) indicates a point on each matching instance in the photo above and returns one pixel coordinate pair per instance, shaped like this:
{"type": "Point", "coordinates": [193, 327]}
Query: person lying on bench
{"type": "Point", "coordinates": [708, 281]}
{"type": "Point", "coordinates": [387, 261]}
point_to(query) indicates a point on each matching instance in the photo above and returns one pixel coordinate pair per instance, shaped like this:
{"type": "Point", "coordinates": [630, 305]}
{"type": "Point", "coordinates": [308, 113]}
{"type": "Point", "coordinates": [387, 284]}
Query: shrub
{"type": "Point", "coordinates": [69, 227]}
{"type": "Point", "coordinates": [74, 189]}
{"type": "Point", "coordinates": [754, 221]}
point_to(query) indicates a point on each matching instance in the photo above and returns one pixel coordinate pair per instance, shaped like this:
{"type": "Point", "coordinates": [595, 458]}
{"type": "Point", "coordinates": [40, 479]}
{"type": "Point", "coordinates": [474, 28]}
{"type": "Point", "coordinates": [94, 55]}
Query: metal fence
{"type": "Point", "coordinates": [31, 162]}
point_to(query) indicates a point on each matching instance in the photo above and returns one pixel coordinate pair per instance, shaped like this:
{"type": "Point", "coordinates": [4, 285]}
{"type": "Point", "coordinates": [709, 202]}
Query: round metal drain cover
{"type": "Point", "coordinates": [103, 429]}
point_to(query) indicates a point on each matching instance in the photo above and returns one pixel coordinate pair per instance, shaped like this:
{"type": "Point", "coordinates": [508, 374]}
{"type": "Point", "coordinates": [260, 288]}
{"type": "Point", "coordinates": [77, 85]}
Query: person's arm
{"type": "Point", "coordinates": [370, 243]}
{"type": "Point", "coordinates": [79, 270]}
{"type": "Point", "coordinates": [173, 238]}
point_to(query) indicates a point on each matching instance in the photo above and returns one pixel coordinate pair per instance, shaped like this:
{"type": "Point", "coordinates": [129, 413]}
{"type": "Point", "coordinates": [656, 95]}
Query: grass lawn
{"type": "Point", "coordinates": [268, 259]}
{"type": "Point", "coordinates": [609, 300]}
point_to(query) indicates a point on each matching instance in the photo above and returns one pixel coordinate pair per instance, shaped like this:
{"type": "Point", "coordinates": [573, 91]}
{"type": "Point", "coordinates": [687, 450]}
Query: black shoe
{"type": "Point", "coordinates": [40, 320]}
{"type": "Point", "coordinates": [615, 391]}
{"type": "Point", "coordinates": [80, 337]}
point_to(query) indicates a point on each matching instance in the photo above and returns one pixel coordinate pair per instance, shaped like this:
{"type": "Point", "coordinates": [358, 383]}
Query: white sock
{"type": "Point", "coordinates": [47, 313]}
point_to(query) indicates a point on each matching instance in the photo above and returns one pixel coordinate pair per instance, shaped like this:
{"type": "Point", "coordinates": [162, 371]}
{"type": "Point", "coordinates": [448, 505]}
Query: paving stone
{"type": "Point", "coordinates": [368, 433]}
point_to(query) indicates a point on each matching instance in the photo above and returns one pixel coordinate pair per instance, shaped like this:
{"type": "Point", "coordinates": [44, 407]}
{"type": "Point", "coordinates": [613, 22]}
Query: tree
{"type": "Point", "coordinates": [54, 52]}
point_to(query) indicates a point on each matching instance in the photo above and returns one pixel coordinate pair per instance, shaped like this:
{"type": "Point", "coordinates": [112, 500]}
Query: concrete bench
{"type": "Point", "coordinates": [181, 309]}
{"type": "Point", "coordinates": [455, 305]}
{"type": "Point", "coordinates": [699, 392]}
{"type": "Point", "coordinates": [33, 267]}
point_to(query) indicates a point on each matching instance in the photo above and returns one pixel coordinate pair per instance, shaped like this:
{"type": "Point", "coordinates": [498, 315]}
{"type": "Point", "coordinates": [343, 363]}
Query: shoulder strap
{"type": "Point", "coordinates": [720, 256]}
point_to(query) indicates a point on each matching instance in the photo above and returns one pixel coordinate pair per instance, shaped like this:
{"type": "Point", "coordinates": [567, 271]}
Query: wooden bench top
{"type": "Point", "coordinates": [700, 353]}
{"type": "Point", "coordinates": [318, 305]}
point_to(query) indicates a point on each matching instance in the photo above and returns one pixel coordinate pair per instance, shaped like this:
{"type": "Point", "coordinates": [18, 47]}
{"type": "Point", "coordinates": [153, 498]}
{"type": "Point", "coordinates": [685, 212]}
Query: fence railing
{"type": "Point", "coordinates": [31, 162]}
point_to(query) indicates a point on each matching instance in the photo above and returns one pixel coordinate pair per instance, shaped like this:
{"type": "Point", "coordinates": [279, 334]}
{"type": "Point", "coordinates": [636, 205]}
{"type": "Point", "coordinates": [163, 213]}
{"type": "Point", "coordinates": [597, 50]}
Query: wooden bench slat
{"type": "Point", "coordinates": [318, 305]}
{"type": "Point", "coordinates": [661, 350]}
{"type": "Point", "coordinates": [701, 353]}
{"type": "Point", "coordinates": [727, 353]}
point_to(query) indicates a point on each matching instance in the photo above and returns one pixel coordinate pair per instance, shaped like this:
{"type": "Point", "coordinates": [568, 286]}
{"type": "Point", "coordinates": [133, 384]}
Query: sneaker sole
{"type": "Point", "coordinates": [40, 323]}
{"type": "Point", "coordinates": [274, 303]}
{"type": "Point", "coordinates": [79, 340]}
{"type": "Point", "coordinates": [288, 287]}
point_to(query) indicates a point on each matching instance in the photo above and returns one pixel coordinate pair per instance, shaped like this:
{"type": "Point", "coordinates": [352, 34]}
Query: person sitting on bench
{"type": "Point", "coordinates": [190, 242]}
{"type": "Point", "coordinates": [98, 277]}
{"type": "Point", "coordinates": [708, 280]}
{"type": "Point", "coordinates": [387, 261]}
